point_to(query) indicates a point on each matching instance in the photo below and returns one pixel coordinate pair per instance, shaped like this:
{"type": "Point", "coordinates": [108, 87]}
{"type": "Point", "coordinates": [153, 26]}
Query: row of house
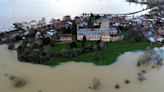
{"type": "Point", "coordinates": [9, 35]}
{"type": "Point", "coordinates": [103, 31]}
{"type": "Point", "coordinates": [152, 24]}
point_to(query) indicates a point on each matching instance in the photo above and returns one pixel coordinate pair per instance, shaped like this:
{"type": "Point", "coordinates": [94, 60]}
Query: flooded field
{"type": "Point", "coordinates": [77, 77]}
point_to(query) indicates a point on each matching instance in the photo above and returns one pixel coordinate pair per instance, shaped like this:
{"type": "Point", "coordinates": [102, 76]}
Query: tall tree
{"type": "Point", "coordinates": [68, 30]}
{"type": "Point", "coordinates": [97, 16]}
{"type": "Point", "coordinates": [74, 29]}
{"type": "Point", "coordinates": [84, 40]}
{"type": "Point", "coordinates": [91, 21]}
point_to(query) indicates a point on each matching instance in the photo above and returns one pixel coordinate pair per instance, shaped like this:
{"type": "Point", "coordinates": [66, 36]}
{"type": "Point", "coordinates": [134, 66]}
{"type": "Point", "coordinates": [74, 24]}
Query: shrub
{"type": "Point", "coordinates": [18, 38]}
{"type": "Point", "coordinates": [138, 39]}
{"type": "Point", "coordinates": [17, 82]}
{"type": "Point", "coordinates": [73, 45]}
{"type": "Point", "coordinates": [11, 46]}
{"type": "Point", "coordinates": [97, 56]}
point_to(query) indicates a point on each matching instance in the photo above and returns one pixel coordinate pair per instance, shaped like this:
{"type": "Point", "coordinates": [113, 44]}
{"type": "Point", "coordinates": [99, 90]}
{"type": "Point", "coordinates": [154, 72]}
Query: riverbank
{"type": "Point", "coordinates": [109, 55]}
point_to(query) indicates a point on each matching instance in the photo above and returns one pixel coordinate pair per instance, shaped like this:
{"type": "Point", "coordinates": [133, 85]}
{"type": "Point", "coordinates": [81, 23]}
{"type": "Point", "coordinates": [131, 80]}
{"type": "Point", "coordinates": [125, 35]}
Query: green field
{"type": "Point", "coordinates": [108, 56]}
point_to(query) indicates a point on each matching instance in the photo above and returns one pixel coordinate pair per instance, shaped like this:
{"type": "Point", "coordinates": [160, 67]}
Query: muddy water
{"type": "Point", "coordinates": [77, 77]}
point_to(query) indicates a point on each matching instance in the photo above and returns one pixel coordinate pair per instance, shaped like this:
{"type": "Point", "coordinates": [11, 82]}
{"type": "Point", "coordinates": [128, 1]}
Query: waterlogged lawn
{"type": "Point", "coordinates": [109, 55]}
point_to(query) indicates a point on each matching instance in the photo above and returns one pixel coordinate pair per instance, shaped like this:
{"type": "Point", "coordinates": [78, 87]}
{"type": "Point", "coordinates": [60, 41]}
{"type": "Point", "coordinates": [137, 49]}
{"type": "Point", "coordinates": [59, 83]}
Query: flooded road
{"type": "Point", "coordinates": [77, 77]}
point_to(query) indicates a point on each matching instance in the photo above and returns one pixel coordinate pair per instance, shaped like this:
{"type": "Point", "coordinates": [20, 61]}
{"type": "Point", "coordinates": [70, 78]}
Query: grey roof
{"type": "Point", "coordinates": [95, 31]}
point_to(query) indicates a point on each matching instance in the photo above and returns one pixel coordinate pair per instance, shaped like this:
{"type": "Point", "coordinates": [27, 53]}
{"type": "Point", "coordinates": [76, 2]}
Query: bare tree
{"type": "Point", "coordinates": [150, 56]}
{"type": "Point", "coordinates": [96, 83]}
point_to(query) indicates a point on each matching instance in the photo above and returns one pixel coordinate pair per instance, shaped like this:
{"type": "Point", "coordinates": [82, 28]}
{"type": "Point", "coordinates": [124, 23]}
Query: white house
{"type": "Point", "coordinates": [66, 38]}
{"type": "Point", "coordinates": [117, 38]}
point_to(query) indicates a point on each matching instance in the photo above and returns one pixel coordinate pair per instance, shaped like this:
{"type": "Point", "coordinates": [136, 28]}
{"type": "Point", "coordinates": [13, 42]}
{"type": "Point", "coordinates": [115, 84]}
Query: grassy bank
{"type": "Point", "coordinates": [108, 56]}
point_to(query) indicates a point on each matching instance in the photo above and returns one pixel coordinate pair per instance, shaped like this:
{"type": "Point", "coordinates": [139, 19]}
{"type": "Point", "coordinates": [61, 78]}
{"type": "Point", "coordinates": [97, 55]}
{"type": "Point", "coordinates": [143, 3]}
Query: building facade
{"type": "Point", "coordinates": [96, 34]}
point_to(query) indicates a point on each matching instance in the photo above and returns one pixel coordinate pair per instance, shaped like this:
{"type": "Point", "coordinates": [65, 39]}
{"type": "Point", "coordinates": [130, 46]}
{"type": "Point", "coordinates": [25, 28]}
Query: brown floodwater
{"type": "Point", "coordinates": [77, 77]}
